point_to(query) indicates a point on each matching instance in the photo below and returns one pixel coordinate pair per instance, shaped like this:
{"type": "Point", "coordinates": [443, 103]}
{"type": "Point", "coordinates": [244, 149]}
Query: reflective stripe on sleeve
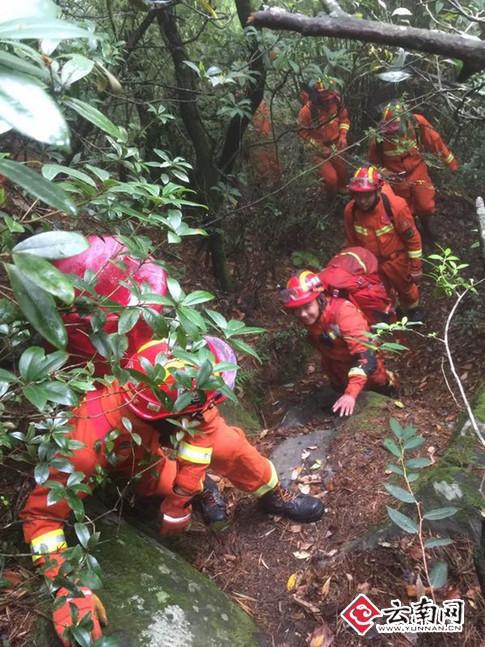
{"type": "Point", "coordinates": [50, 542]}
{"type": "Point", "coordinates": [415, 254]}
{"type": "Point", "coordinates": [194, 454]}
{"type": "Point", "coordinates": [361, 230]}
{"type": "Point", "coordinates": [344, 126]}
{"type": "Point", "coordinates": [168, 519]}
{"type": "Point", "coordinates": [271, 483]}
{"type": "Point", "coordinates": [356, 370]}
{"type": "Point", "coordinates": [450, 158]}
{"type": "Point", "coordinates": [384, 230]}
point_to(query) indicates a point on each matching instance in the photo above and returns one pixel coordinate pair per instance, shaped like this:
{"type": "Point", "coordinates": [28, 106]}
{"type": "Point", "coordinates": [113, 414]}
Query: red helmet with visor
{"type": "Point", "coordinates": [301, 289]}
{"type": "Point", "coordinates": [365, 179]}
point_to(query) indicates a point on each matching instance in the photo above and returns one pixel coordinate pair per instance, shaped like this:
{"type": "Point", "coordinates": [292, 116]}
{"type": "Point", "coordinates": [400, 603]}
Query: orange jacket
{"type": "Point", "coordinates": [324, 127]}
{"type": "Point", "coordinates": [101, 412]}
{"type": "Point", "coordinates": [403, 152]}
{"type": "Point", "coordinates": [383, 236]}
{"type": "Point", "coordinates": [339, 335]}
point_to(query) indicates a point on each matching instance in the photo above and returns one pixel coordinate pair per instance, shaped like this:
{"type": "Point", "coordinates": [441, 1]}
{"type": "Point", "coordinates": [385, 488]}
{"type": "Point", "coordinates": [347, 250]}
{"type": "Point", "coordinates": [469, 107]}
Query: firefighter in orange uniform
{"type": "Point", "coordinates": [323, 124]}
{"type": "Point", "coordinates": [136, 409]}
{"type": "Point", "coordinates": [380, 221]}
{"type": "Point", "coordinates": [263, 152]}
{"type": "Point", "coordinates": [338, 330]}
{"type": "Point", "coordinates": [405, 136]}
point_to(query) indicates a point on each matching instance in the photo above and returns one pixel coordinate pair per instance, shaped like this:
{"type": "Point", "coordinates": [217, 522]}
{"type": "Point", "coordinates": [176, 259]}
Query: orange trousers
{"type": "Point", "coordinates": [396, 277]}
{"type": "Point", "coordinates": [418, 191]}
{"type": "Point", "coordinates": [265, 164]}
{"type": "Point", "coordinates": [233, 457]}
{"type": "Point", "coordinates": [333, 173]}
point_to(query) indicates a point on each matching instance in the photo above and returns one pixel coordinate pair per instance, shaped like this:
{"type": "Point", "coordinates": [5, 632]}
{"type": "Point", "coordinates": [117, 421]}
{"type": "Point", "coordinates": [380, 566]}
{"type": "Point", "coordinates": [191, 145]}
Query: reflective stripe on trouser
{"type": "Point", "coordinates": [396, 275]}
{"type": "Point", "coordinates": [50, 542]}
{"type": "Point", "coordinates": [194, 454]}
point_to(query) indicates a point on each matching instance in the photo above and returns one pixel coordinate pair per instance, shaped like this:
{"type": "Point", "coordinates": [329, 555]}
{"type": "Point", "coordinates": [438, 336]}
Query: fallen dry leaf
{"type": "Point", "coordinates": [295, 528]}
{"type": "Point", "coordinates": [305, 454]}
{"type": "Point", "coordinates": [321, 637]}
{"type": "Point", "coordinates": [304, 488]}
{"type": "Point", "coordinates": [399, 404]}
{"type": "Point", "coordinates": [305, 604]}
{"type": "Point", "coordinates": [296, 472]}
{"type": "Point", "coordinates": [326, 587]}
{"type": "Point", "coordinates": [291, 583]}
{"type": "Point", "coordinates": [301, 554]}
{"type": "Point", "coordinates": [363, 588]}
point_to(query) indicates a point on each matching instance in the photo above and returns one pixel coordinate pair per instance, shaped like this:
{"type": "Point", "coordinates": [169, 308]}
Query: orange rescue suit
{"type": "Point", "coordinates": [263, 152]}
{"type": "Point", "coordinates": [322, 128]}
{"type": "Point", "coordinates": [402, 153]}
{"type": "Point", "coordinates": [396, 242]}
{"type": "Point", "coordinates": [339, 336]}
{"type": "Point", "coordinates": [216, 444]}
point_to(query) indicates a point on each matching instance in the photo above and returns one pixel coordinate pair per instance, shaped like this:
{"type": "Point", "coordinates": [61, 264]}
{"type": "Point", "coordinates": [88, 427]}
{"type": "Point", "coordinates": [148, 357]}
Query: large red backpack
{"type": "Point", "coordinates": [353, 275]}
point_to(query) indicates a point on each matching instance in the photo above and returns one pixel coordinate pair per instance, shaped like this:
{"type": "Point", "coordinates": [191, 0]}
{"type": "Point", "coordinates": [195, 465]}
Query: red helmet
{"type": "Point", "coordinates": [144, 402]}
{"type": "Point", "coordinates": [301, 289]}
{"type": "Point", "coordinates": [365, 179]}
{"type": "Point", "coordinates": [391, 122]}
{"type": "Point", "coordinates": [320, 92]}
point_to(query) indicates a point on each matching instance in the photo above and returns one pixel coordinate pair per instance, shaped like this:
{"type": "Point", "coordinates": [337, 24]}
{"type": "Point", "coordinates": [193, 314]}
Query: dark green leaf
{"type": "Point", "coordinates": [238, 344]}
{"type": "Point", "coordinates": [403, 521]}
{"type": "Point", "coordinates": [412, 443]}
{"type": "Point", "coordinates": [440, 513]}
{"type": "Point", "coordinates": [199, 296]}
{"type": "Point", "coordinates": [94, 116]}
{"type": "Point", "coordinates": [81, 634]}
{"type": "Point", "coordinates": [394, 468]}
{"type": "Point", "coordinates": [53, 244]}
{"type": "Point", "coordinates": [17, 64]}
{"type": "Point", "coordinates": [439, 575]}
{"type": "Point", "coordinates": [26, 106]}
{"type": "Point", "coordinates": [39, 308]}
{"type": "Point", "coordinates": [217, 318]}
{"type": "Point", "coordinates": [52, 29]}
{"type": "Point", "coordinates": [106, 641]}
{"type": "Point", "coordinates": [31, 364]}
{"type": "Point", "coordinates": [46, 276]}
{"type": "Point", "coordinates": [50, 171]}
{"type": "Point", "coordinates": [175, 290]}
{"type": "Point", "coordinates": [396, 427]}
{"type": "Point", "coordinates": [435, 543]}
{"type": "Point", "coordinates": [91, 580]}
{"type": "Point", "coordinates": [82, 533]}
{"type": "Point", "coordinates": [7, 376]}
{"type": "Point", "coordinates": [204, 373]}
{"type": "Point", "coordinates": [36, 395]}
{"type": "Point", "coordinates": [391, 446]}
{"type": "Point", "coordinates": [41, 473]}
{"type": "Point", "coordinates": [128, 319]}
{"type": "Point", "coordinates": [400, 493]}
{"type": "Point", "coordinates": [37, 186]}
{"type": "Point", "coordinates": [417, 463]}
{"type": "Point", "coordinates": [183, 401]}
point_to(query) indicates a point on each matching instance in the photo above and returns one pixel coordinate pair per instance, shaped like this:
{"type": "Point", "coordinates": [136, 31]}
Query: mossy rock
{"type": "Point", "coordinates": [240, 416]}
{"type": "Point", "coordinates": [154, 598]}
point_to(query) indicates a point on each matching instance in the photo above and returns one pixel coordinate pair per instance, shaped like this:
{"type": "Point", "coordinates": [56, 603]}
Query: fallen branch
{"type": "Point", "coordinates": [467, 48]}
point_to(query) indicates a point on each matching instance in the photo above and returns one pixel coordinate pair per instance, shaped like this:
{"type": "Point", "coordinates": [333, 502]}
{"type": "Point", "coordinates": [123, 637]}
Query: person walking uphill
{"type": "Point", "coordinates": [263, 152]}
{"type": "Point", "coordinates": [405, 136]}
{"type": "Point", "coordinates": [340, 333]}
{"type": "Point", "coordinates": [381, 222]}
{"type": "Point", "coordinates": [323, 125]}
{"type": "Point", "coordinates": [139, 414]}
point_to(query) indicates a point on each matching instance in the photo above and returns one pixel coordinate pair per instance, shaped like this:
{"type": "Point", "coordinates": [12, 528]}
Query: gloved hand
{"type": "Point", "coordinates": [341, 142]}
{"type": "Point", "coordinates": [176, 514]}
{"type": "Point", "coordinates": [90, 603]}
{"type": "Point", "coordinates": [345, 405]}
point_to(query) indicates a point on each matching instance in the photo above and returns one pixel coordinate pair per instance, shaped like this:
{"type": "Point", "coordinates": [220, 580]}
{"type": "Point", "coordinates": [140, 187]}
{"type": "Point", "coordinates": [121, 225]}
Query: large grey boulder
{"type": "Point", "coordinates": [154, 598]}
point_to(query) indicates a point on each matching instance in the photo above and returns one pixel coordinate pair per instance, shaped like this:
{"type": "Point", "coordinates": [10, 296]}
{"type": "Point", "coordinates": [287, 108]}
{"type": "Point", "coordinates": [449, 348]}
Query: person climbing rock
{"type": "Point", "coordinates": [403, 138]}
{"type": "Point", "coordinates": [123, 430]}
{"type": "Point", "coordinates": [381, 222]}
{"type": "Point", "coordinates": [338, 329]}
{"type": "Point", "coordinates": [323, 125]}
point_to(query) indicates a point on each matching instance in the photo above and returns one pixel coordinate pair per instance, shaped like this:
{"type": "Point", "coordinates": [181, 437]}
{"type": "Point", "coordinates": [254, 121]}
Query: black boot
{"type": "Point", "coordinates": [298, 507]}
{"type": "Point", "coordinates": [416, 315]}
{"type": "Point", "coordinates": [212, 506]}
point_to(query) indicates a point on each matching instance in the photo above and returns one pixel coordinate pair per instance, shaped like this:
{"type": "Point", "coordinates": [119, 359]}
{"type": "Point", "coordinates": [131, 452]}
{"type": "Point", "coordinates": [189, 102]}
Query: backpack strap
{"type": "Point", "coordinates": [387, 207]}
